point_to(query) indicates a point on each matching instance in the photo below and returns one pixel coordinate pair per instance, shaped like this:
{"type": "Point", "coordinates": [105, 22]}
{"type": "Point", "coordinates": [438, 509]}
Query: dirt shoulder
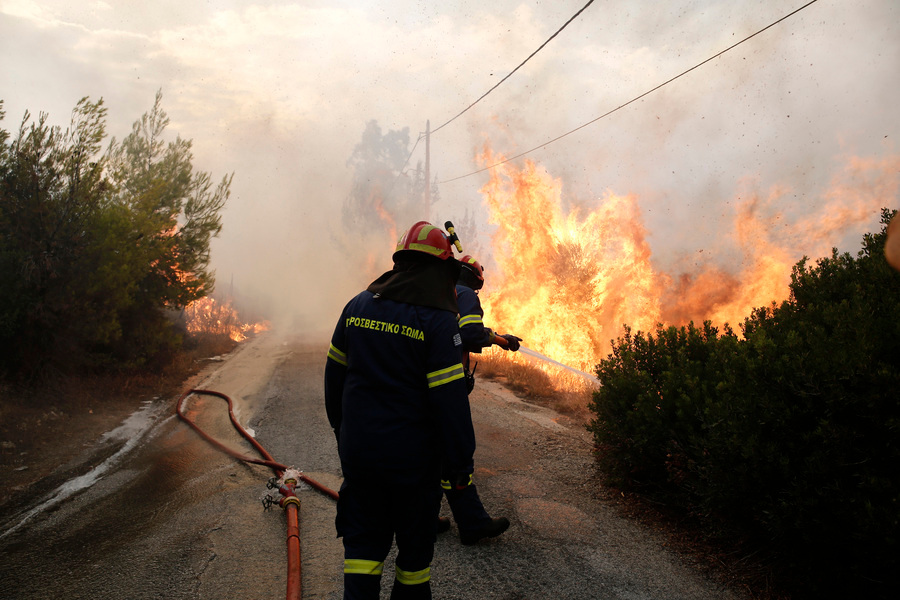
{"type": "Point", "coordinates": [49, 432]}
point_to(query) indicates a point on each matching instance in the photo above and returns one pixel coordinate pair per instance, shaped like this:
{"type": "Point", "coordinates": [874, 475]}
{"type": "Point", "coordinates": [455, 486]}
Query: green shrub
{"type": "Point", "coordinates": [787, 436]}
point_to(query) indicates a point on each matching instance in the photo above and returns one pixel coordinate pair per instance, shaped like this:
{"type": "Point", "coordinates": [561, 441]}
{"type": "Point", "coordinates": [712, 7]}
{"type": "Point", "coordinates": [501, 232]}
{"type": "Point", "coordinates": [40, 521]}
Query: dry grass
{"type": "Point", "coordinates": [541, 383]}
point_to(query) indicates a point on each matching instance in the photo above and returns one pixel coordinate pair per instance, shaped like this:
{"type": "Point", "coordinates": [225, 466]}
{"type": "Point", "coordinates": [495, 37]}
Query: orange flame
{"type": "Point", "coordinates": [208, 316]}
{"type": "Point", "coordinates": [386, 217]}
{"type": "Point", "coordinates": [372, 263]}
{"type": "Point", "coordinates": [570, 279]}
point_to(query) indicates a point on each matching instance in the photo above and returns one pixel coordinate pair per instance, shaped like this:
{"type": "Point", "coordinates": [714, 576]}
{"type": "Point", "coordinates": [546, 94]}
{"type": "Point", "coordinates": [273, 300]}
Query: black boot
{"type": "Point", "coordinates": [492, 528]}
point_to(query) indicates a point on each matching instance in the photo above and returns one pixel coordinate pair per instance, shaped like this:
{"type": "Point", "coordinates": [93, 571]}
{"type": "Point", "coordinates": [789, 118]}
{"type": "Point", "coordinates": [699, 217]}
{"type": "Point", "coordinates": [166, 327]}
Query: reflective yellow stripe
{"type": "Point", "coordinates": [426, 248]}
{"type": "Point", "coordinates": [436, 378]}
{"type": "Point", "coordinates": [413, 577]}
{"type": "Point", "coordinates": [469, 320]}
{"type": "Point", "coordinates": [423, 236]}
{"type": "Point", "coordinates": [357, 566]}
{"type": "Point", "coordinates": [337, 356]}
{"type": "Point", "coordinates": [423, 233]}
{"type": "Point", "coordinates": [445, 483]}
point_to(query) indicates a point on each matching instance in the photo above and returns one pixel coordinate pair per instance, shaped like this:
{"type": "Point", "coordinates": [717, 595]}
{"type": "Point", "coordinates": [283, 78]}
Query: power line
{"type": "Point", "coordinates": [406, 162]}
{"type": "Point", "coordinates": [633, 100]}
{"type": "Point", "coordinates": [517, 68]}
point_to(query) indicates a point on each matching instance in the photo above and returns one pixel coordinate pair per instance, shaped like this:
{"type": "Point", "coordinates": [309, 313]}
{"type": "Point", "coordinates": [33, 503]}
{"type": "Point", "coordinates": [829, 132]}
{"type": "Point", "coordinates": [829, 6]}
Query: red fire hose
{"type": "Point", "coordinates": [289, 502]}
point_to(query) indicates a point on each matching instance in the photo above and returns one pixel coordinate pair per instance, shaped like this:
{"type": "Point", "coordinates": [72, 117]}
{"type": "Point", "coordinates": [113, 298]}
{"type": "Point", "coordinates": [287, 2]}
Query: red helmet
{"type": "Point", "coordinates": [473, 265]}
{"type": "Point", "coordinates": [425, 237]}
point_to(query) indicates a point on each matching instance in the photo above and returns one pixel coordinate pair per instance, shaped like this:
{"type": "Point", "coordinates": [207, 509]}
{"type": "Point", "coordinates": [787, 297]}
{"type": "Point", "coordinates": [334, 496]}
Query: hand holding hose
{"type": "Point", "coordinates": [508, 341]}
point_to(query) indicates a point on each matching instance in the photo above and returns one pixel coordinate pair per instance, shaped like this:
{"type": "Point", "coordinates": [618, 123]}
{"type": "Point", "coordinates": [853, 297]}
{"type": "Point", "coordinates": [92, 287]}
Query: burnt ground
{"type": "Point", "coordinates": [44, 427]}
{"type": "Point", "coordinates": [42, 431]}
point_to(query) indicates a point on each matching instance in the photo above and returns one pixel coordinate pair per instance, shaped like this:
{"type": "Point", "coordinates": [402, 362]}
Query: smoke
{"type": "Point", "coordinates": [280, 93]}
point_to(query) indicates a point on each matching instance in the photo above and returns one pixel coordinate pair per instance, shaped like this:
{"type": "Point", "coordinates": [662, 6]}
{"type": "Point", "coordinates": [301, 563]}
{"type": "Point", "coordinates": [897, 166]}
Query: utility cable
{"type": "Point", "coordinates": [406, 162]}
{"type": "Point", "coordinates": [517, 68]}
{"type": "Point", "coordinates": [633, 100]}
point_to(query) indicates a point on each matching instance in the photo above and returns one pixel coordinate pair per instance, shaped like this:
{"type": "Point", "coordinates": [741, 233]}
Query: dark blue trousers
{"type": "Point", "coordinates": [370, 514]}
{"type": "Point", "coordinates": [467, 509]}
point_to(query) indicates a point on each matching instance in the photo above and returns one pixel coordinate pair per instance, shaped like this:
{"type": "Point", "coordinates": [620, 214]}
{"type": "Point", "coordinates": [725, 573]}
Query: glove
{"type": "Point", "coordinates": [512, 342]}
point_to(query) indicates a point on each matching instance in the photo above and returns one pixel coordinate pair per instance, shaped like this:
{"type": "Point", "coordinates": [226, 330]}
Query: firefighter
{"type": "Point", "coordinates": [471, 518]}
{"type": "Point", "coordinates": [475, 335]}
{"type": "Point", "coordinates": [395, 395]}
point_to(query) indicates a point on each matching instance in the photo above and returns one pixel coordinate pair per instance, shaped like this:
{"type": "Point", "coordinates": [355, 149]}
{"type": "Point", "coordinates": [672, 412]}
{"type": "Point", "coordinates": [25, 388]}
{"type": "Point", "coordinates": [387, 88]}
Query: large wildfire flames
{"type": "Point", "coordinates": [208, 316]}
{"type": "Point", "coordinates": [570, 279]}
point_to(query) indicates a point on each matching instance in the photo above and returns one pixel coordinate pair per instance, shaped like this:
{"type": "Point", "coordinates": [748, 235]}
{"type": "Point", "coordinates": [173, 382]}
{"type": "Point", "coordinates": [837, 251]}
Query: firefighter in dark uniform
{"type": "Point", "coordinates": [395, 394]}
{"type": "Point", "coordinates": [471, 518]}
{"type": "Point", "coordinates": [475, 335]}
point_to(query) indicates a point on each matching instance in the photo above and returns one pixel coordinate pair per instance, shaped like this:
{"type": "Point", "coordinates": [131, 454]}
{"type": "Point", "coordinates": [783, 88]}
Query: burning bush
{"type": "Point", "coordinates": [572, 272]}
{"type": "Point", "coordinates": [209, 317]}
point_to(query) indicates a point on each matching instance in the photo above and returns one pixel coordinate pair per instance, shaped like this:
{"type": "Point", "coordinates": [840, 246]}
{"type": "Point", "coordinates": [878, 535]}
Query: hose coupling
{"type": "Point", "coordinates": [288, 500]}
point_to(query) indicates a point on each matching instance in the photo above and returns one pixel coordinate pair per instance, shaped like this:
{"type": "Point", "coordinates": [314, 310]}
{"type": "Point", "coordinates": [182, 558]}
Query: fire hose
{"type": "Point", "coordinates": [504, 343]}
{"type": "Point", "coordinates": [289, 501]}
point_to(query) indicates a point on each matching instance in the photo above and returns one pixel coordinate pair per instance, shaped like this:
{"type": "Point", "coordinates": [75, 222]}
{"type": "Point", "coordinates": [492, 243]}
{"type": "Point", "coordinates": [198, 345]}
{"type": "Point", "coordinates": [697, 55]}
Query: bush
{"type": "Point", "coordinates": [787, 437]}
{"type": "Point", "coordinates": [96, 247]}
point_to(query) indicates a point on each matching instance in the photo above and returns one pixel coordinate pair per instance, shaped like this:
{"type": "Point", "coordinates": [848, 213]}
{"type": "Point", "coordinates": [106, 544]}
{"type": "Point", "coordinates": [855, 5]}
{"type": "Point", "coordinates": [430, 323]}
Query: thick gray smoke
{"type": "Point", "coordinates": [282, 93]}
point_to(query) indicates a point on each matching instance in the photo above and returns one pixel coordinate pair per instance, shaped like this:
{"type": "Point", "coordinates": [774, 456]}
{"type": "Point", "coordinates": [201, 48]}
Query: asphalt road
{"type": "Point", "coordinates": [158, 513]}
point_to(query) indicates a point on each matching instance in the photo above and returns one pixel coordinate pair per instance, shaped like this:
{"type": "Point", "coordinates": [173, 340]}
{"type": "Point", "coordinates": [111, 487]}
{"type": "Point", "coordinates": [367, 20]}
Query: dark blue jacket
{"type": "Point", "coordinates": [395, 391]}
{"type": "Point", "coordinates": [475, 335]}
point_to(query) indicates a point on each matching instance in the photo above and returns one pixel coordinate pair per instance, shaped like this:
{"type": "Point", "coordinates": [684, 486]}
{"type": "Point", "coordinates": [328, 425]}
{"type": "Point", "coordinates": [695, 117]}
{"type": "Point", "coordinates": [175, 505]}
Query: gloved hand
{"type": "Point", "coordinates": [512, 342]}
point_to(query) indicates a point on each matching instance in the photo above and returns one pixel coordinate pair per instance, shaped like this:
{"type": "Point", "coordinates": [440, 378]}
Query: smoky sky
{"type": "Point", "coordinates": [279, 93]}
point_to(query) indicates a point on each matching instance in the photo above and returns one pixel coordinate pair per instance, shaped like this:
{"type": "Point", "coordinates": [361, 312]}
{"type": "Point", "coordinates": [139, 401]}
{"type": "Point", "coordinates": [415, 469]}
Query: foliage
{"type": "Point", "coordinates": [786, 437]}
{"type": "Point", "coordinates": [96, 248]}
{"type": "Point", "coordinates": [384, 192]}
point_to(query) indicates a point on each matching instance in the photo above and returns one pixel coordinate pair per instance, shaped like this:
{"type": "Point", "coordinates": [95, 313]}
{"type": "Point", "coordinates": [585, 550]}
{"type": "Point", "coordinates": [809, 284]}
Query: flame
{"type": "Point", "coordinates": [379, 234]}
{"type": "Point", "coordinates": [208, 316]}
{"type": "Point", "coordinates": [571, 278]}
{"type": "Point", "coordinates": [386, 217]}
{"type": "Point", "coordinates": [712, 293]}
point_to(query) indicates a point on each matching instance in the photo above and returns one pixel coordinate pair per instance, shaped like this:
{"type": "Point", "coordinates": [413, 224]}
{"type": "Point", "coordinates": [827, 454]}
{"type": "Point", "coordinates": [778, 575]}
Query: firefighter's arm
{"type": "Point", "coordinates": [892, 242]}
{"type": "Point", "coordinates": [448, 396]}
{"type": "Point", "coordinates": [475, 335]}
{"type": "Point", "coordinates": [457, 433]}
{"type": "Point", "coordinates": [335, 375]}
